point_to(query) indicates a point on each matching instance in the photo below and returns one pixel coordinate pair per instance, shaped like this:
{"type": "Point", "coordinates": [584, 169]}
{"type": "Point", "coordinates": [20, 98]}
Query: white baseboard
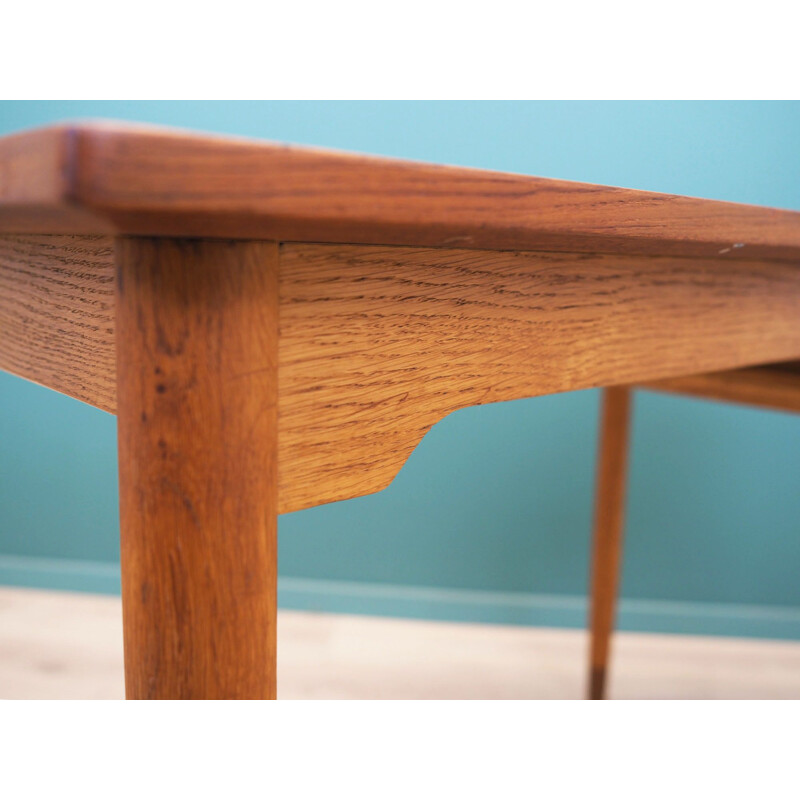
{"type": "Point", "coordinates": [503, 608]}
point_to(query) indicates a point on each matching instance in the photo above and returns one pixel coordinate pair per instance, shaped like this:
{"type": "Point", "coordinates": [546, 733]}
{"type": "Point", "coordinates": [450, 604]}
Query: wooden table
{"type": "Point", "coordinates": [278, 327]}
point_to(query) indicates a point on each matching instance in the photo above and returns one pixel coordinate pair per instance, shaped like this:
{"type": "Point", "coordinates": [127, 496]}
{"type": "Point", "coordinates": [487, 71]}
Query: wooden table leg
{"type": "Point", "coordinates": [608, 530]}
{"type": "Point", "coordinates": [197, 334]}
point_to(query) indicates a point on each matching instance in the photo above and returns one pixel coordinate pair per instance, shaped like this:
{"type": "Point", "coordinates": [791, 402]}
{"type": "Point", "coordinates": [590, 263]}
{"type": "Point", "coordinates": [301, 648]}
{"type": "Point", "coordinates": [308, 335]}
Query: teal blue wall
{"type": "Point", "coordinates": [490, 518]}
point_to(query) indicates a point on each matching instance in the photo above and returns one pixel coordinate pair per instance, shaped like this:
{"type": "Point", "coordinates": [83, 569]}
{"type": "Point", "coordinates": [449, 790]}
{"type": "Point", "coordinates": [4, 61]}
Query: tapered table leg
{"type": "Point", "coordinates": [608, 531]}
{"type": "Point", "coordinates": [197, 332]}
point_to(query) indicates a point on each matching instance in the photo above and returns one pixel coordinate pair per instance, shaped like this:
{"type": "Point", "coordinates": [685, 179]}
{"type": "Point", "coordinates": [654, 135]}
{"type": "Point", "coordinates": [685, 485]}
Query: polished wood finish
{"type": "Point", "coordinates": [378, 344]}
{"type": "Point", "coordinates": [608, 531]}
{"type": "Point", "coordinates": [289, 322]}
{"type": "Point", "coordinates": [121, 178]}
{"type": "Point", "coordinates": [57, 314]}
{"type": "Point", "coordinates": [197, 332]}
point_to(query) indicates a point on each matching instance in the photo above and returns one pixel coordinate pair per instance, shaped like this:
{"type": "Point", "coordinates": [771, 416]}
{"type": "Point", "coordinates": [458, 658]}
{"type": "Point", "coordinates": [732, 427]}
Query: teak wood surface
{"type": "Point", "coordinates": [336, 306]}
{"type": "Point", "coordinates": [379, 343]}
{"type": "Point", "coordinates": [197, 414]}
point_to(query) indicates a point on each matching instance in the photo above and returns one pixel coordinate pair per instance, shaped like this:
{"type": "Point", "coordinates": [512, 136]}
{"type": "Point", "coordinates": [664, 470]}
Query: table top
{"type": "Point", "coordinates": [115, 178]}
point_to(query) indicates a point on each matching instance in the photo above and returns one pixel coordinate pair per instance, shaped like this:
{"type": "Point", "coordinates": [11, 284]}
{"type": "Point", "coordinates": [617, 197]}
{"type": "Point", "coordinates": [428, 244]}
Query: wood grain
{"type": "Point", "coordinates": [615, 423]}
{"type": "Point", "coordinates": [253, 377]}
{"type": "Point", "coordinates": [776, 386]}
{"type": "Point", "coordinates": [115, 177]}
{"type": "Point", "coordinates": [37, 170]}
{"type": "Point", "coordinates": [57, 314]}
{"type": "Point", "coordinates": [379, 343]}
{"type": "Point", "coordinates": [197, 327]}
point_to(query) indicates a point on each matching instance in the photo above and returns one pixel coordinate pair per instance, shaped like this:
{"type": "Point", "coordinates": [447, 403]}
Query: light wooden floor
{"type": "Point", "coordinates": [61, 645]}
